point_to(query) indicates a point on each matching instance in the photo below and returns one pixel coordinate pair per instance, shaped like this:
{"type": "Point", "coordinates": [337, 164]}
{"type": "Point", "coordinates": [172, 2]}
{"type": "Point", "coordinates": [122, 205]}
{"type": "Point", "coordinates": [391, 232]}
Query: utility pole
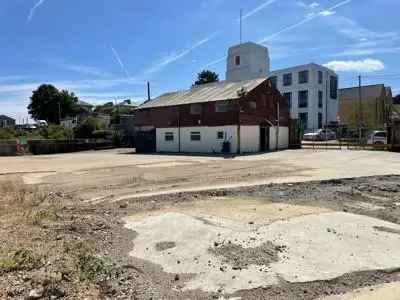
{"type": "Point", "coordinates": [326, 106]}
{"type": "Point", "coordinates": [148, 91]}
{"type": "Point", "coordinates": [241, 24]}
{"type": "Point", "coordinates": [59, 113]}
{"type": "Point", "coordinates": [360, 117]}
{"type": "Point", "coordinates": [277, 124]}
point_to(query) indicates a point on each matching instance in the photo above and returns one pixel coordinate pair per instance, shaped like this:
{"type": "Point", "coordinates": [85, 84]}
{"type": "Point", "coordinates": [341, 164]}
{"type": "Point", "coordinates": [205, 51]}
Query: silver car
{"type": "Point", "coordinates": [377, 137]}
{"type": "Point", "coordinates": [320, 135]}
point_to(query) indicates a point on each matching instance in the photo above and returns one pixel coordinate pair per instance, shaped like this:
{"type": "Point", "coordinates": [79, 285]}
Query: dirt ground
{"type": "Point", "coordinates": [114, 225]}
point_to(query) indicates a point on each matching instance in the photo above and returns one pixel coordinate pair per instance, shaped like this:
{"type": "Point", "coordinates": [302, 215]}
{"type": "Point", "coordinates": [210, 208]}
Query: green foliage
{"type": "Point", "coordinates": [83, 264]}
{"type": "Point", "coordinates": [206, 76]}
{"type": "Point", "coordinates": [117, 139]}
{"type": "Point", "coordinates": [18, 260]}
{"type": "Point", "coordinates": [115, 111]}
{"type": "Point", "coordinates": [52, 132]}
{"type": "Point", "coordinates": [47, 101]}
{"type": "Point", "coordinates": [88, 127]}
{"type": "Point", "coordinates": [8, 133]}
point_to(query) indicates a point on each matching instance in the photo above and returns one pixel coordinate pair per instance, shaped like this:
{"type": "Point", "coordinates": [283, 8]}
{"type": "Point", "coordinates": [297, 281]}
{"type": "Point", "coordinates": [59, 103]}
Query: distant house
{"type": "Point", "coordinates": [82, 110]}
{"type": "Point", "coordinates": [204, 119]}
{"type": "Point", "coordinates": [6, 122]}
{"type": "Point", "coordinates": [374, 109]}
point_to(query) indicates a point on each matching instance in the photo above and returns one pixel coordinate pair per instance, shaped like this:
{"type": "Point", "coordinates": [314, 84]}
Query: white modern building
{"type": "Point", "coordinates": [312, 93]}
{"type": "Point", "coordinates": [311, 90]}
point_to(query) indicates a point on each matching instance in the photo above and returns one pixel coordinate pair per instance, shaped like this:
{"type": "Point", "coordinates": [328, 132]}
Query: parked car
{"type": "Point", "coordinates": [320, 135]}
{"type": "Point", "coordinates": [377, 137]}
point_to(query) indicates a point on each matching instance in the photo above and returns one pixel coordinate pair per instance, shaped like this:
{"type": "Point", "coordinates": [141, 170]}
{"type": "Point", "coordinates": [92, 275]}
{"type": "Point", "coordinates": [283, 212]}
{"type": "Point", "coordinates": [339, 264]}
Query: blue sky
{"type": "Point", "coordinates": [105, 50]}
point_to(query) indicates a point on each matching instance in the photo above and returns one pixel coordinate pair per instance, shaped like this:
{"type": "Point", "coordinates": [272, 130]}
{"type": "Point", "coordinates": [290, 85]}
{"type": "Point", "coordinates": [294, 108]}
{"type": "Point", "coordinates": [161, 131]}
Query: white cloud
{"type": "Point", "coordinates": [304, 5]}
{"type": "Point", "coordinates": [367, 51]}
{"type": "Point", "coordinates": [362, 66]}
{"type": "Point", "coordinates": [327, 13]}
{"type": "Point", "coordinates": [86, 70]}
{"type": "Point", "coordinates": [33, 10]}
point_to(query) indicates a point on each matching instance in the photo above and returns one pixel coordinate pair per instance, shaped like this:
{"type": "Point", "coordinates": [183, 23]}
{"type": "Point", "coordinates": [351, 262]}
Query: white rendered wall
{"type": "Point", "coordinates": [283, 138]}
{"type": "Point", "coordinates": [167, 146]}
{"type": "Point", "coordinates": [254, 62]}
{"type": "Point", "coordinates": [249, 139]}
{"type": "Point", "coordinates": [313, 87]}
{"type": "Point", "coordinates": [209, 142]}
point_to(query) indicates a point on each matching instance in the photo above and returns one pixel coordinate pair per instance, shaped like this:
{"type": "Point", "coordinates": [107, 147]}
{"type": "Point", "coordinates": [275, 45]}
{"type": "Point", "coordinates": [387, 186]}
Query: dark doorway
{"type": "Point", "coordinates": [145, 141]}
{"type": "Point", "coordinates": [264, 138]}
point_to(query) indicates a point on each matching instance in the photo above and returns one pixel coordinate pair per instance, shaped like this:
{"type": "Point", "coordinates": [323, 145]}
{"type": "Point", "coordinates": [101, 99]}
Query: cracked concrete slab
{"type": "Point", "coordinates": [328, 245]}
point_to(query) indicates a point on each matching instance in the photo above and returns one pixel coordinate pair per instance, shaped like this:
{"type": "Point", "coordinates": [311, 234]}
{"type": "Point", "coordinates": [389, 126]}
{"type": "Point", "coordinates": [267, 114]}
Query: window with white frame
{"type": "Point", "coordinates": [287, 79]}
{"type": "Point", "coordinates": [169, 136]}
{"type": "Point", "coordinates": [320, 99]}
{"type": "Point", "coordinates": [303, 77]}
{"type": "Point", "coordinates": [303, 99]}
{"type": "Point", "coordinates": [195, 136]}
{"type": "Point", "coordinates": [220, 135]}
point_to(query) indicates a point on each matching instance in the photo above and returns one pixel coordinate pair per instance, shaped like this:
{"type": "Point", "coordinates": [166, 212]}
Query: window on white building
{"type": "Point", "coordinates": [320, 99]}
{"type": "Point", "coordinates": [220, 135]}
{"type": "Point", "coordinates": [303, 99]}
{"type": "Point", "coordinates": [320, 77]}
{"type": "Point", "coordinates": [334, 87]}
{"type": "Point", "coordinates": [195, 136]}
{"type": "Point", "coordinates": [196, 109]}
{"type": "Point", "coordinates": [319, 120]}
{"type": "Point", "coordinates": [287, 79]}
{"type": "Point", "coordinates": [237, 60]}
{"type": "Point", "coordinates": [169, 136]}
{"type": "Point", "coordinates": [303, 77]}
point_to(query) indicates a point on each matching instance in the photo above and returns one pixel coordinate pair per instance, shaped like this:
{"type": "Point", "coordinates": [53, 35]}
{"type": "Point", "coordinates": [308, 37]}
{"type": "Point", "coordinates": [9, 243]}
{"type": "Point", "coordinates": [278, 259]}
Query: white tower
{"type": "Point", "coordinates": [247, 61]}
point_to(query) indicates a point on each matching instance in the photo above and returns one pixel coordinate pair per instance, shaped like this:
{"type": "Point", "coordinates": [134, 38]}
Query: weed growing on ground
{"type": "Point", "coordinates": [19, 260]}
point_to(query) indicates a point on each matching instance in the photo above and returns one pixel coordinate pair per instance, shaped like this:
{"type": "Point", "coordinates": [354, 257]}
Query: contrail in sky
{"type": "Point", "coordinates": [304, 21]}
{"type": "Point", "coordinates": [258, 8]}
{"type": "Point", "coordinates": [119, 61]}
{"type": "Point", "coordinates": [33, 9]}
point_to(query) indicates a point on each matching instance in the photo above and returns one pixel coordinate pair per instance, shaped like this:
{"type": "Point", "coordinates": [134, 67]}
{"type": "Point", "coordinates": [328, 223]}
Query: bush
{"type": "Point", "coordinates": [117, 139]}
{"type": "Point", "coordinates": [87, 128]}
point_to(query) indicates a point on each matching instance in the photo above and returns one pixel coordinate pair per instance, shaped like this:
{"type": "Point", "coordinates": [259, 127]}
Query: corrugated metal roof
{"type": "Point", "coordinates": [204, 93]}
{"type": "Point", "coordinates": [4, 117]}
{"type": "Point", "coordinates": [367, 92]}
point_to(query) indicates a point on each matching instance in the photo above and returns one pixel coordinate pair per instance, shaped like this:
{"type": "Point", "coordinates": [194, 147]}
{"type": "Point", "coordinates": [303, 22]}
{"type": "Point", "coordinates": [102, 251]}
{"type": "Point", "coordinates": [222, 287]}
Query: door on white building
{"type": "Point", "coordinates": [264, 138]}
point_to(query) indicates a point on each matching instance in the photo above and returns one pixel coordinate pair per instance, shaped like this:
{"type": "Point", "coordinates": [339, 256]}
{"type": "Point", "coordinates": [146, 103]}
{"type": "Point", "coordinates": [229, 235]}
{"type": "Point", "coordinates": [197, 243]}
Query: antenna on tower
{"type": "Point", "coordinates": [241, 25]}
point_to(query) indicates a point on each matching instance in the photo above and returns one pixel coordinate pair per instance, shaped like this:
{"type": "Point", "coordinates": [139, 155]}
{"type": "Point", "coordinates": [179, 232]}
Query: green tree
{"type": "Point", "coordinates": [47, 102]}
{"type": "Point", "coordinates": [206, 76]}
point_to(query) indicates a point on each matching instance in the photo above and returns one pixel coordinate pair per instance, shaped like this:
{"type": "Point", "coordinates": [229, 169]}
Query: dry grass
{"type": "Point", "coordinates": [24, 204]}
